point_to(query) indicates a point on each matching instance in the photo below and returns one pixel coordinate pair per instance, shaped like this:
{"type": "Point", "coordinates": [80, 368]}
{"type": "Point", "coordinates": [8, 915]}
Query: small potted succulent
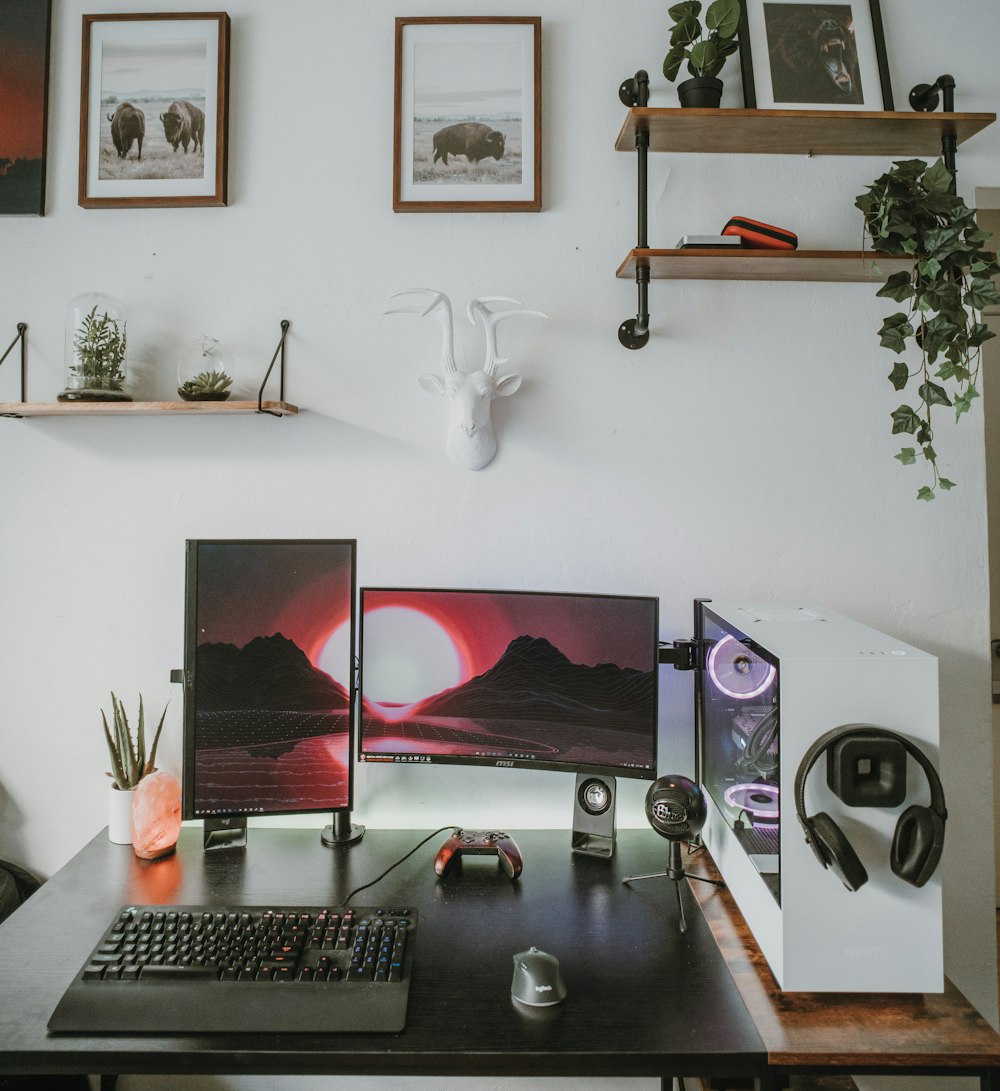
{"type": "Point", "coordinates": [205, 371]}
{"type": "Point", "coordinates": [704, 48]}
{"type": "Point", "coordinates": [129, 764]}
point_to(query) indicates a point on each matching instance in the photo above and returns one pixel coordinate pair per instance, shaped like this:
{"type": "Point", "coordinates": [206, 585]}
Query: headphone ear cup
{"type": "Point", "coordinates": [835, 851]}
{"type": "Point", "coordinates": [917, 844]}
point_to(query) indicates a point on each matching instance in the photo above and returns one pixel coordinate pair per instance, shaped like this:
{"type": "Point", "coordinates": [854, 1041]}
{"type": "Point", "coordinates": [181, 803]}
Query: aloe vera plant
{"type": "Point", "coordinates": [129, 762]}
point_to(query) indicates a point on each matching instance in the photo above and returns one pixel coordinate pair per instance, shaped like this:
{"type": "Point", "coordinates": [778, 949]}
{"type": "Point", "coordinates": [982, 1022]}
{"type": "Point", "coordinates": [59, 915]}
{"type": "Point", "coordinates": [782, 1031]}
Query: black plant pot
{"type": "Point", "coordinates": [705, 91]}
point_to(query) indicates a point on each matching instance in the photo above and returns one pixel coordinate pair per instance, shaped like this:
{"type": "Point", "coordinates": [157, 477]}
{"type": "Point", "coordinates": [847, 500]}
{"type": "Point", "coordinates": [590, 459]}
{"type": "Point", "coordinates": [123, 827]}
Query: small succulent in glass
{"type": "Point", "coordinates": [205, 371]}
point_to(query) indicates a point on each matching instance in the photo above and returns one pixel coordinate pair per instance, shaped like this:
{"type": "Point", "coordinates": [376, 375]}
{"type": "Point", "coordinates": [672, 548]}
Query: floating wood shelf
{"type": "Point", "coordinates": [797, 132]}
{"type": "Point", "coordinates": [747, 264]}
{"type": "Point", "coordinates": [117, 409]}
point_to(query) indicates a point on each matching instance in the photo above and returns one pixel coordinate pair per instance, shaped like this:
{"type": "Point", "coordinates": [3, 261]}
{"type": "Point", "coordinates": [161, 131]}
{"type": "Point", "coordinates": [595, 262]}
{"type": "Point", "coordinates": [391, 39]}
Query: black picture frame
{"type": "Point", "coordinates": [25, 33]}
{"type": "Point", "coordinates": [768, 85]}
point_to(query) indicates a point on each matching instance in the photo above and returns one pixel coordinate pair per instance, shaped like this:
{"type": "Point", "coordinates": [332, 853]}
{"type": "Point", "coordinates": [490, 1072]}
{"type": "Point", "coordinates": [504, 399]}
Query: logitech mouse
{"type": "Point", "coordinates": [537, 981]}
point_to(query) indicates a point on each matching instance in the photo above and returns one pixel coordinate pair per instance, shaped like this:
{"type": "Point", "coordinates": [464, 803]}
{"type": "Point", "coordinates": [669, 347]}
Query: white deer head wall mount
{"type": "Point", "coordinates": [471, 441]}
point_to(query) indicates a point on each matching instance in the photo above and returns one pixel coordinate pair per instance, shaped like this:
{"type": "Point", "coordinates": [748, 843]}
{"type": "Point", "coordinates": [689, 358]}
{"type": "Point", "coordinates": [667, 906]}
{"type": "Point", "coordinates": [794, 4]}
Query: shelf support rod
{"type": "Point", "coordinates": [633, 333]}
{"type": "Point", "coordinates": [21, 329]}
{"type": "Point", "coordinates": [925, 97]}
{"type": "Point", "coordinates": [281, 373]}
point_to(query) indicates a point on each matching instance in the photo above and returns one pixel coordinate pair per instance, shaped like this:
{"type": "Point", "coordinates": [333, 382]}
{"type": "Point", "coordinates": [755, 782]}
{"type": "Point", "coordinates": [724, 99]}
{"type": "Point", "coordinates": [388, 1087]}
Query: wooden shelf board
{"type": "Point", "coordinates": [797, 132]}
{"type": "Point", "coordinates": [148, 409]}
{"type": "Point", "coordinates": [818, 265]}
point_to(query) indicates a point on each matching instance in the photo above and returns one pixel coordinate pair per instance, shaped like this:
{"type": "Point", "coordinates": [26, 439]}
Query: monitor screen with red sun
{"type": "Point", "coordinates": [269, 676]}
{"type": "Point", "coordinates": [509, 678]}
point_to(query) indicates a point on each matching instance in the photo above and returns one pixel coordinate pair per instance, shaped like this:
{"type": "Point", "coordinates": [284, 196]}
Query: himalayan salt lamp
{"type": "Point", "coordinates": [156, 815]}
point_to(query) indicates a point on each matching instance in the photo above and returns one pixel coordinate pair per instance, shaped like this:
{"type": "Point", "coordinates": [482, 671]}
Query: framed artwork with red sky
{"type": "Point", "coordinates": [24, 82]}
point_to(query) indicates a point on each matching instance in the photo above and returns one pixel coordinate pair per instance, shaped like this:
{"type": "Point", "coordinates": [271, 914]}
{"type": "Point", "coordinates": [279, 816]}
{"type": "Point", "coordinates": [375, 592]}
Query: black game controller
{"type": "Point", "coordinates": [479, 843]}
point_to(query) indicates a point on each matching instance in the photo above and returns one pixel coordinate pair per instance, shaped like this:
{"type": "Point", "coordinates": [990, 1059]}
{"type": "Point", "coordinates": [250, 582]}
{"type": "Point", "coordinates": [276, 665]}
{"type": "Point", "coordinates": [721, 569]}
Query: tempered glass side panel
{"type": "Point", "coordinates": [269, 676]}
{"type": "Point", "coordinates": [740, 746]}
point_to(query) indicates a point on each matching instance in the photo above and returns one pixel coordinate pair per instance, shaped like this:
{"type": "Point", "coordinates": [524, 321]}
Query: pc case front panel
{"type": "Point", "coordinates": [817, 935]}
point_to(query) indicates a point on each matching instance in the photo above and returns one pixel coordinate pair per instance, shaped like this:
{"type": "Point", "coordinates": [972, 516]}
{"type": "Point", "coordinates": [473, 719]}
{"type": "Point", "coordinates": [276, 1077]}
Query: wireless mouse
{"type": "Point", "coordinates": [537, 981]}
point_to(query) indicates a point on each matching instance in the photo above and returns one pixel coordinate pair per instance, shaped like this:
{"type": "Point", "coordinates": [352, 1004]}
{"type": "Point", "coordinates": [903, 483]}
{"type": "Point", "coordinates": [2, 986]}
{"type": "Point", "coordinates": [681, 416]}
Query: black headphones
{"type": "Point", "coordinates": [919, 838]}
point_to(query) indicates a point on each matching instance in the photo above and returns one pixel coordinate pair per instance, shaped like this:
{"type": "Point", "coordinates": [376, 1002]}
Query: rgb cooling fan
{"type": "Point", "coordinates": [737, 671]}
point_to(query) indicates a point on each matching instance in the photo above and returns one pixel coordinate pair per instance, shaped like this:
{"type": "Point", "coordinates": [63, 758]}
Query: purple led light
{"type": "Point", "coordinates": [713, 671]}
{"type": "Point", "coordinates": [740, 797]}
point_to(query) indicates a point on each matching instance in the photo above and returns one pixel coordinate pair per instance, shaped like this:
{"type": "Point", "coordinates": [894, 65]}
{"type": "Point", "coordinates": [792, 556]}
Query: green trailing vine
{"type": "Point", "coordinates": [912, 211]}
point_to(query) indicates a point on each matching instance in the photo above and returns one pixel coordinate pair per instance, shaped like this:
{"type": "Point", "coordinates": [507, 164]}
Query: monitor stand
{"type": "Point", "coordinates": [342, 832]}
{"type": "Point", "coordinates": [225, 832]}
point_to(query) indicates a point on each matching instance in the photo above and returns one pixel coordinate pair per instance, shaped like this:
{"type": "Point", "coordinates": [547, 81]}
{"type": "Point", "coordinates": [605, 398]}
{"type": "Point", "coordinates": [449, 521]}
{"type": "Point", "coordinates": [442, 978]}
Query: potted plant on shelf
{"type": "Point", "coordinates": [206, 386]}
{"type": "Point", "coordinates": [95, 350]}
{"type": "Point", "coordinates": [129, 764]}
{"type": "Point", "coordinates": [205, 370]}
{"type": "Point", "coordinates": [913, 211]}
{"type": "Point", "coordinates": [704, 49]}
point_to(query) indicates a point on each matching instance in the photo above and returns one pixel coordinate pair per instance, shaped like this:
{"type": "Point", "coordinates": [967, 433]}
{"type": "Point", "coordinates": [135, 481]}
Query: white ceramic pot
{"type": "Point", "coordinates": [120, 815]}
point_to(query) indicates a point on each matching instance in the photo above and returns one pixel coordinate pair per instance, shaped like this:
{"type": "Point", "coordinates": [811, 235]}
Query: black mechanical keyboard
{"type": "Point", "coordinates": [200, 969]}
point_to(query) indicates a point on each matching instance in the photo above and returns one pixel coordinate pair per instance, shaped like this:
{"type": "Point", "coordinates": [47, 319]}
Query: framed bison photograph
{"type": "Point", "coordinates": [153, 110]}
{"type": "Point", "coordinates": [467, 135]}
{"type": "Point", "coordinates": [801, 56]}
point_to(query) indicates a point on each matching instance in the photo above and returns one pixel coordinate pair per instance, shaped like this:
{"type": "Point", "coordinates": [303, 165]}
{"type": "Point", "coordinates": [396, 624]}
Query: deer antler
{"type": "Point", "coordinates": [440, 304]}
{"type": "Point", "coordinates": [478, 309]}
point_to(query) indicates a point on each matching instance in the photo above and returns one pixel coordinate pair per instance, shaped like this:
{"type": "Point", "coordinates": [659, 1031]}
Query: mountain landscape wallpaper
{"type": "Point", "coordinates": [533, 677]}
{"type": "Point", "coordinates": [273, 661]}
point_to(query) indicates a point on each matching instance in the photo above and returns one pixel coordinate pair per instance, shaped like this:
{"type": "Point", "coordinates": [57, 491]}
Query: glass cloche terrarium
{"type": "Point", "coordinates": [205, 371]}
{"type": "Point", "coordinates": [95, 349]}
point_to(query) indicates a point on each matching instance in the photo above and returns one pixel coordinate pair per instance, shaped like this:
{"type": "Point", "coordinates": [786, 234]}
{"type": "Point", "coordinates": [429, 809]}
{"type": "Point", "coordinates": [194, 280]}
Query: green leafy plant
{"type": "Point", "coordinates": [912, 211]}
{"type": "Point", "coordinates": [129, 763]}
{"type": "Point", "coordinates": [99, 345]}
{"type": "Point", "coordinates": [206, 382]}
{"type": "Point", "coordinates": [705, 49]}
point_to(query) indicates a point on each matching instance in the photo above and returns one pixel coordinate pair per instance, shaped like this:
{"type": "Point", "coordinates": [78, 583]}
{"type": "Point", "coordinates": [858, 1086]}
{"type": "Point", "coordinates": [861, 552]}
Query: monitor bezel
{"type": "Point", "coordinates": [188, 786]}
{"type": "Point", "coordinates": [609, 770]}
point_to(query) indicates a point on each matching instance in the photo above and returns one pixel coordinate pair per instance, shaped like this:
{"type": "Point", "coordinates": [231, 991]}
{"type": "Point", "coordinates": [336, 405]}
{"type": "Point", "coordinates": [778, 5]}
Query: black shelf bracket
{"type": "Point", "coordinates": [925, 97]}
{"type": "Point", "coordinates": [21, 330]}
{"type": "Point", "coordinates": [279, 351]}
{"type": "Point", "coordinates": [633, 333]}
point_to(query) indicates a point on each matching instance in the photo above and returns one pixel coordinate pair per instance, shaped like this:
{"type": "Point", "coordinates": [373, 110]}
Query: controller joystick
{"type": "Point", "coordinates": [479, 843]}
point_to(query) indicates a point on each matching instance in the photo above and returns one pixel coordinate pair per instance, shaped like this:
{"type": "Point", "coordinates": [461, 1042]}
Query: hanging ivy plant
{"type": "Point", "coordinates": [912, 211]}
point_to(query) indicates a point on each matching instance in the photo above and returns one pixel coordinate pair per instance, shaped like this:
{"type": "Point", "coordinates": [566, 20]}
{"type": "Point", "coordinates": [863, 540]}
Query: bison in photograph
{"type": "Point", "coordinates": [472, 139]}
{"type": "Point", "coordinates": [128, 123]}
{"type": "Point", "coordinates": [184, 124]}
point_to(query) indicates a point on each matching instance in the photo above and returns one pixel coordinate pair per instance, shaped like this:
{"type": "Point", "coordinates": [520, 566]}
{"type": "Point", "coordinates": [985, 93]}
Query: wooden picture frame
{"type": "Point", "coordinates": [814, 56]}
{"type": "Point", "coordinates": [25, 27]}
{"type": "Point", "coordinates": [165, 78]}
{"type": "Point", "coordinates": [467, 131]}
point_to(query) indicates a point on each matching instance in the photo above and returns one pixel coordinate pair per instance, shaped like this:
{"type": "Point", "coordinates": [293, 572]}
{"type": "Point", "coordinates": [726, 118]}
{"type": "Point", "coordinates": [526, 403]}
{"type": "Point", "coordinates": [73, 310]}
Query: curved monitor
{"type": "Point", "coordinates": [509, 678]}
{"type": "Point", "coordinates": [269, 677]}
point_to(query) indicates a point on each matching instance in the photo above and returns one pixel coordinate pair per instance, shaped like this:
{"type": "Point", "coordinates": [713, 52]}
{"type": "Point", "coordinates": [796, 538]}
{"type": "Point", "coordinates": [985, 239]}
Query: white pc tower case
{"type": "Point", "coordinates": [774, 678]}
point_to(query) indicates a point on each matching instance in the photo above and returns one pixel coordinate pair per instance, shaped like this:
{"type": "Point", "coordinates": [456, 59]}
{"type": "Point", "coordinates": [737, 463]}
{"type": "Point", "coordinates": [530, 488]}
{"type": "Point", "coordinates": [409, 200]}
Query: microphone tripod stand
{"type": "Point", "coordinates": [676, 873]}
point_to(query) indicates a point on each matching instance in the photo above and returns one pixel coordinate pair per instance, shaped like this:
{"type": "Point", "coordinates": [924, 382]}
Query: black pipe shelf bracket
{"type": "Point", "coordinates": [22, 328]}
{"type": "Point", "coordinates": [925, 97]}
{"type": "Point", "coordinates": [279, 351]}
{"type": "Point", "coordinates": [633, 333]}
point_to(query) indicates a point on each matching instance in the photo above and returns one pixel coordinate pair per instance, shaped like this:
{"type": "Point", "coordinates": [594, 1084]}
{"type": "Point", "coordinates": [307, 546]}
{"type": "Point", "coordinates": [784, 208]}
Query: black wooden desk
{"type": "Point", "coordinates": [643, 1000]}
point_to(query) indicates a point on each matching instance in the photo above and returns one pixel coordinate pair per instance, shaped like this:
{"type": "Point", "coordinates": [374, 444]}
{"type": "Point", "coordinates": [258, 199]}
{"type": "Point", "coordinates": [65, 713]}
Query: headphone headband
{"type": "Point", "coordinates": [852, 730]}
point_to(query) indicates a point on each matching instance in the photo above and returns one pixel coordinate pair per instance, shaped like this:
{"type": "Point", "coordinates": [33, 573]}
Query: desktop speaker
{"type": "Point", "coordinates": [594, 815]}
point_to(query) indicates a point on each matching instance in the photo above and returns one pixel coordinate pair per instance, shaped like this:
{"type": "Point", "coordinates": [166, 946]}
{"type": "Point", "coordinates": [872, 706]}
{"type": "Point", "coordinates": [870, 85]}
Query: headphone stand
{"type": "Point", "coordinates": [675, 872]}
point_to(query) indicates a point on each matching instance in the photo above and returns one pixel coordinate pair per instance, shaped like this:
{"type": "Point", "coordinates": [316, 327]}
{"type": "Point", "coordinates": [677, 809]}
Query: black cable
{"type": "Point", "coordinates": [365, 886]}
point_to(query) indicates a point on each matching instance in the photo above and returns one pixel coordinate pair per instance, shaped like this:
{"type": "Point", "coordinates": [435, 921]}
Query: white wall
{"type": "Point", "coordinates": [744, 453]}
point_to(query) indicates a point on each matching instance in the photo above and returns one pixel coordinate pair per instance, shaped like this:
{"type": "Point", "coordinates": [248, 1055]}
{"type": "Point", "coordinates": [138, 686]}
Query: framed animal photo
{"type": "Point", "coordinates": [24, 81]}
{"type": "Point", "coordinates": [154, 110]}
{"type": "Point", "coordinates": [813, 56]}
{"type": "Point", "coordinates": [467, 135]}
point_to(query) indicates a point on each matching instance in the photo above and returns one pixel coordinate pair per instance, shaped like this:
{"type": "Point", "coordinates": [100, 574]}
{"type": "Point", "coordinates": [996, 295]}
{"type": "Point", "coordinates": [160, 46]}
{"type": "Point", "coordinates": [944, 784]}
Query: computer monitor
{"type": "Point", "coordinates": [269, 686]}
{"type": "Point", "coordinates": [511, 679]}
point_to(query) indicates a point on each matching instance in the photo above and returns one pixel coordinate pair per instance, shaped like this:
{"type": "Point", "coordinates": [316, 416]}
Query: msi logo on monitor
{"type": "Point", "coordinates": [505, 764]}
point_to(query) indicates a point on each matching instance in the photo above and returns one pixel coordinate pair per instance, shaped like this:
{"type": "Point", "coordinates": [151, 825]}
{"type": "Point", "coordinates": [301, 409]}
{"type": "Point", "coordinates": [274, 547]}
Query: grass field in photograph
{"type": "Point", "coordinates": [459, 171]}
{"type": "Point", "coordinates": [159, 160]}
